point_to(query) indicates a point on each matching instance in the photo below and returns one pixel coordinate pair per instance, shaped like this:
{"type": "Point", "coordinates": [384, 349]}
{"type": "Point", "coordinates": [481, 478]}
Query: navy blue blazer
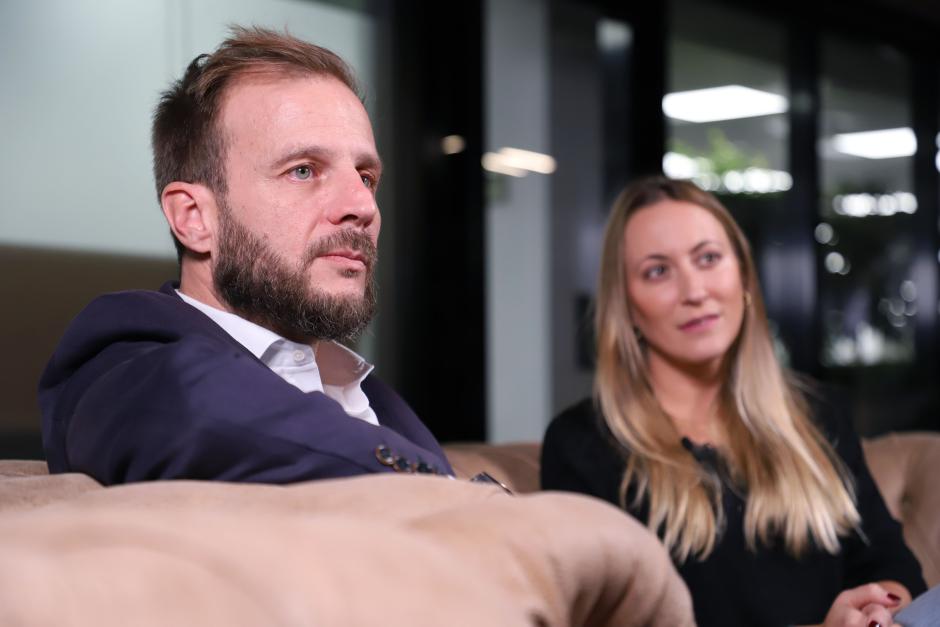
{"type": "Point", "coordinates": [143, 386]}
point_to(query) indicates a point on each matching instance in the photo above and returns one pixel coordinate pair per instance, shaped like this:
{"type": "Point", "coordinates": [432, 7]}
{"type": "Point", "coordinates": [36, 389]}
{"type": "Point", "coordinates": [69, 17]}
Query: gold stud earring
{"type": "Point", "coordinates": [747, 299]}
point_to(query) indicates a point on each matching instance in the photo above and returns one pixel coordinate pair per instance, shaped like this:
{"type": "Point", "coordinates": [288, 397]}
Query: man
{"type": "Point", "coordinates": [266, 170]}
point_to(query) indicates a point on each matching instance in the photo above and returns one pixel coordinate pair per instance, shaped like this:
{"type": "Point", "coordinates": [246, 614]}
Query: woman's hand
{"type": "Point", "coordinates": [864, 606]}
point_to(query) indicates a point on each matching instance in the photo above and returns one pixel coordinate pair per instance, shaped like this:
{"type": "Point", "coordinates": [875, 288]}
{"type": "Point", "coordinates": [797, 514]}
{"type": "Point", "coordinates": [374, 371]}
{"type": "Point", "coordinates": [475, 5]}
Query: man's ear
{"type": "Point", "coordinates": [192, 213]}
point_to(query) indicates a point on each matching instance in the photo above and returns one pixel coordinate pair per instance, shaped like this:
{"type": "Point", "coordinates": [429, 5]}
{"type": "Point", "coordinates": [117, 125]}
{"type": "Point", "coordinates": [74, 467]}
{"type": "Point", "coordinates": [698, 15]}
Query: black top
{"type": "Point", "coordinates": [735, 586]}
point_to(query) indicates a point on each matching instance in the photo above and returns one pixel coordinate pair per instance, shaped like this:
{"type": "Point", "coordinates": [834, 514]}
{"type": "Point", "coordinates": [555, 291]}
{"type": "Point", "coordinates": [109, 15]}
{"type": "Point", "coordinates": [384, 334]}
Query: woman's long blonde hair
{"type": "Point", "coordinates": [797, 487]}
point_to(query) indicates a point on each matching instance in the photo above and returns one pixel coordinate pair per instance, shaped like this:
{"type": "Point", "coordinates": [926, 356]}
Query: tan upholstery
{"type": "Point", "coordinates": [906, 467]}
{"type": "Point", "coordinates": [27, 484]}
{"type": "Point", "coordinates": [374, 550]}
{"type": "Point", "coordinates": [514, 465]}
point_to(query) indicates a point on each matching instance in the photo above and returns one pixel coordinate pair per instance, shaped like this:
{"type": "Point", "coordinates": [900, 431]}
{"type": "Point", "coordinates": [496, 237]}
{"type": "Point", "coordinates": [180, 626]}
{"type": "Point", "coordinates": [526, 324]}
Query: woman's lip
{"type": "Point", "coordinates": [698, 323]}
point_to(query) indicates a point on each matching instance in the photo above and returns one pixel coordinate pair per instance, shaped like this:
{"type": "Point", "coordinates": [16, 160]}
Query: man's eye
{"type": "Point", "coordinates": [368, 181]}
{"type": "Point", "coordinates": [303, 172]}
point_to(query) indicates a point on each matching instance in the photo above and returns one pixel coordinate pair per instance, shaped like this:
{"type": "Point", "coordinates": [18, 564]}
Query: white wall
{"type": "Point", "coordinates": [518, 224]}
{"type": "Point", "coordinates": [78, 83]}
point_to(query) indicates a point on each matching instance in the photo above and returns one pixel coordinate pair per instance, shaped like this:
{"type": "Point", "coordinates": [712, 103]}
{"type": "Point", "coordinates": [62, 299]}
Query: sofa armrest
{"type": "Point", "coordinates": [379, 549]}
{"type": "Point", "coordinates": [515, 465]}
{"type": "Point", "coordinates": [905, 467]}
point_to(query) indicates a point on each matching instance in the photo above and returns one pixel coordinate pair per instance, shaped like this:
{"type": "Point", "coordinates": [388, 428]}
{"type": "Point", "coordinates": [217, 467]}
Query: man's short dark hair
{"type": "Point", "coordinates": [188, 144]}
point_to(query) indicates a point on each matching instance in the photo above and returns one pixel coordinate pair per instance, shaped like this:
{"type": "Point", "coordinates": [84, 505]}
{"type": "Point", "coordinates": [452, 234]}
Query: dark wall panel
{"type": "Point", "coordinates": [43, 290]}
{"type": "Point", "coordinates": [438, 340]}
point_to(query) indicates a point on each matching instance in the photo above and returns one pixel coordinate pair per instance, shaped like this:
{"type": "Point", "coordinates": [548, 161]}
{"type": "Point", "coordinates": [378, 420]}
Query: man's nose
{"type": "Point", "coordinates": [354, 201]}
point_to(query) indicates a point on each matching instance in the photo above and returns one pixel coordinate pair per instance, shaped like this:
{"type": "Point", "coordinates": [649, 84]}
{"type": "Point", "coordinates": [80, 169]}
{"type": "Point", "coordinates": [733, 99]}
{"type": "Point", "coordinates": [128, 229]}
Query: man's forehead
{"type": "Point", "coordinates": [286, 92]}
{"type": "Point", "coordinates": [294, 108]}
{"type": "Point", "coordinates": [274, 75]}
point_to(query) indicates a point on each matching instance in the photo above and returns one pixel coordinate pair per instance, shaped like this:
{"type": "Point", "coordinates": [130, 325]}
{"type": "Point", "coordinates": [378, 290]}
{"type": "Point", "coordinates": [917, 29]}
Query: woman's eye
{"type": "Point", "coordinates": [709, 259]}
{"type": "Point", "coordinates": [654, 272]}
{"type": "Point", "coordinates": [303, 172]}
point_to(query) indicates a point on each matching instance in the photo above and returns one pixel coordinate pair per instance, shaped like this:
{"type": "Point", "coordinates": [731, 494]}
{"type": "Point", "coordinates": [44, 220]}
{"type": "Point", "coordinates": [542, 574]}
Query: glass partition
{"type": "Point", "coordinates": [727, 126]}
{"type": "Point", "coordinates": [865, 235]}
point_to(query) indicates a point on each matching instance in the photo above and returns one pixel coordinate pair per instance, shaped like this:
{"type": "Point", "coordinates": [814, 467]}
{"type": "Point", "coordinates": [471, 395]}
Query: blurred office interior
{"type": "Point", "coordinates": [507, 128]}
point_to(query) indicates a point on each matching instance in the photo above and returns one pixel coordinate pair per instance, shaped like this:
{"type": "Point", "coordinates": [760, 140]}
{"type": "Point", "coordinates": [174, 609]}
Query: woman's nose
{"type": "Point", "coordinates": [692, 285]}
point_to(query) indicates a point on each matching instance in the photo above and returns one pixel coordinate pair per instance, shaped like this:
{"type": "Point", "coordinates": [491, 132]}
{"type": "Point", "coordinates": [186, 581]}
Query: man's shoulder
{"type": "Point", "coordinates": [116, 303]}
{"type": "Point", "coordinates": [139, 309]}
{"type": "Point", "coordinates": [132, 316]}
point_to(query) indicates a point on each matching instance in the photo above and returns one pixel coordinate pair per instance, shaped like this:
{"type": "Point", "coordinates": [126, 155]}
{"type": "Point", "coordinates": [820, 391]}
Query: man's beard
{"type": "Point", "coordinates": [259, 286]}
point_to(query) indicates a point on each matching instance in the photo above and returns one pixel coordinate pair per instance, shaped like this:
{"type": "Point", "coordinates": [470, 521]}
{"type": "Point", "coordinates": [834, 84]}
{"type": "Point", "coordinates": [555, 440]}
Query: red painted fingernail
{"type": "Point", "coordinates": [894, 597]}
{"type": "Point", "coordinates": [874, 624]}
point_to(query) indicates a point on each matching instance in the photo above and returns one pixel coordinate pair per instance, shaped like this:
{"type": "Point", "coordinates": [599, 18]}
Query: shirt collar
{"type": "Point", "coordinates": [338, 365]}
{"type": "Point", "coordinates": [254, 337]}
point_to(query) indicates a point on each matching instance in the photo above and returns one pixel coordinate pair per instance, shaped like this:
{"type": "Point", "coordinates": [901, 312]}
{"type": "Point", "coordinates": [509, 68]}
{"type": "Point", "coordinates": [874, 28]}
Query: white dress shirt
{"type": "Point", "coordinates": [330, 368]}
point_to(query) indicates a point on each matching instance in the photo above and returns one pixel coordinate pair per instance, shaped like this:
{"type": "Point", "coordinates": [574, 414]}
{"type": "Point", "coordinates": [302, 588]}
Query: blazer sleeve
{"type": "Point", "coordinates": [878, 552]}
{"type": "Point", "coordinates": [202, 408]}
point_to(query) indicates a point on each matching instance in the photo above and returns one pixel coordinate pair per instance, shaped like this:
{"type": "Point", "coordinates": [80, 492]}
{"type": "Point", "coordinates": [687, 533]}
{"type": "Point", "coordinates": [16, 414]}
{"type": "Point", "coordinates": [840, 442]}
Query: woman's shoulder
{"type": "Point", "coordinates": [830, 408]}
{"type": "Point", "coordinates": [580, 431]}
{"type": "Point", "coordinates": [581, 425]}
{"type": "Point", "coordinates": [581, 415]}
{"type": "Point", "coordinates": [578, 454]}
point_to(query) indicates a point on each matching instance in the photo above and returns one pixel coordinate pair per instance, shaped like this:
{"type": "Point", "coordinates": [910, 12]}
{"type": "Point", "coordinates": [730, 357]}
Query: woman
{"type": "Point", "coordinates": [762, 497]}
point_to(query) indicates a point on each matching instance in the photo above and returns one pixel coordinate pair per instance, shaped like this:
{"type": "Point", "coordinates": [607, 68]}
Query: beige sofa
{"type": "Point", "coordinates": [375, 550]}
{"type": "Point", "coordinates": [906, 467]}
{"type": "Point", "coordinates": [372, 551]}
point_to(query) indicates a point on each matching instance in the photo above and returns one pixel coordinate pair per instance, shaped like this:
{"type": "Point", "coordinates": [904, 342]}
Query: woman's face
{"type": "Point", "coordinates": [683, 283]}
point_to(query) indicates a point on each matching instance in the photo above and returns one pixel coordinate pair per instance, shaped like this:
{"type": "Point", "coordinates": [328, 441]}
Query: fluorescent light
{"type": "Point", "coordinates": [702, 172]}
{"type": "Point", "coordinates": [453, 144]}
{"type": "Point", "coordinates": [679, 166]}
{"type": "Point", "coordinates": [528, 160]}
{"type": "Point", "coordinates": [863, 205]}
{"type": "Point", "coordinates": [518, 162]}
{"type": "Point", "coordinates": [613, 35]}
{"type": "Point", "coordinates": [824, 232]}
{"type": "Point", "coordinates": [884, 144]}
{"type": "Point", "coordinates": [494, 162]}
{"type": "Point", "coordinates": [729, 102]}
{"type": "Point", "coordinates": [834, 263]}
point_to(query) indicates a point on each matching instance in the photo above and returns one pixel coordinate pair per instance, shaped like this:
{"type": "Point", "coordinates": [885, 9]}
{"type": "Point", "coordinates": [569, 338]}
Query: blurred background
{"type": "Point", "coordinates": [507, 127]}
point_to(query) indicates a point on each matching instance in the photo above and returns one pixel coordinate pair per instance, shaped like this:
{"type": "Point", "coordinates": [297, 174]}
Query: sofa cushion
{"type": "Point", "coordinates": [905, 467]}
{"type": "Point", "coordinates": [370, 550]}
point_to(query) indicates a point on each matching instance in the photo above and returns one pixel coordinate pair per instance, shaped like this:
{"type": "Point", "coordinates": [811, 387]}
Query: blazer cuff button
{"type": "Point", "coordinates": [385, 455]}
{"type": "Point", "coordinates": [403, 465]}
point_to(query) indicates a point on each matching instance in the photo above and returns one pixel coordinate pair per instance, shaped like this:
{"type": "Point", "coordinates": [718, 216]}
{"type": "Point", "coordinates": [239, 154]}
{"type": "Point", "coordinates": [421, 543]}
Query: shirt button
{"type": "Point", "coordinates": [299, 356]}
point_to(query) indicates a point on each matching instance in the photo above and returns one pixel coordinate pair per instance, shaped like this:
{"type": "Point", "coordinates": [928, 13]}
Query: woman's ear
{"type": "Point", "coordinates": [192, 213]}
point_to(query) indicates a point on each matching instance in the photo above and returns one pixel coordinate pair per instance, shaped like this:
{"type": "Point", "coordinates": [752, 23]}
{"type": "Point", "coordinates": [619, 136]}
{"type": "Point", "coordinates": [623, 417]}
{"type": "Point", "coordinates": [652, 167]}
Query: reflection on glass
{"type": "Point", "coordinates": [868, 298]}
{"type": "Point", "coordinates": [726, 103]}
{"type": "Point", "coordinates": [726, 111]}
